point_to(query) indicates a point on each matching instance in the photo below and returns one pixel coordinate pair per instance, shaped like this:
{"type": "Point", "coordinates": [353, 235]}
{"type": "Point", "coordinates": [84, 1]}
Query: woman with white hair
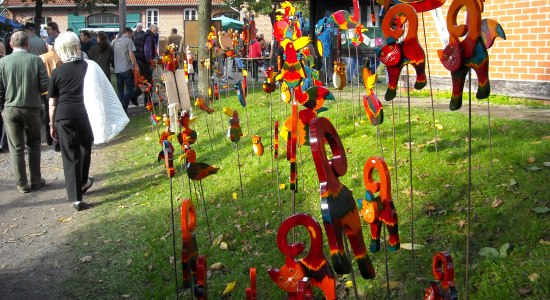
{"type": "Point", "coordinates": [72, 127]}
{"type": "Point", "coordinates": [85, 109]}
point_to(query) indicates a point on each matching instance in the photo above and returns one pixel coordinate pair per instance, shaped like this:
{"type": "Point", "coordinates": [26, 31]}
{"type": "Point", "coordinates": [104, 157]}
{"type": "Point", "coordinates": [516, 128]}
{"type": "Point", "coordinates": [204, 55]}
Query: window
{"type": "Point", "coordinates": [101, 20]}
{"type": "Point", "coordinates": [152, 17]}
{"type": "Point", "coordinates": [190, 14]}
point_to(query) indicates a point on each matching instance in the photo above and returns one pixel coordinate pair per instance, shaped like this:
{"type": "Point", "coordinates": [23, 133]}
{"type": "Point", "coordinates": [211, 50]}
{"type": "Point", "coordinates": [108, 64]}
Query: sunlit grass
{"type": "Point", "coordinates": [130, 232]}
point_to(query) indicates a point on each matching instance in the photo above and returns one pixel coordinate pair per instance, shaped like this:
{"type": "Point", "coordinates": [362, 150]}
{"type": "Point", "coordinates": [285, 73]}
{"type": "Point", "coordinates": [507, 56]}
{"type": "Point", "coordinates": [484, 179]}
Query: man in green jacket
{"type": "Point", "coordinates": [23, 78]}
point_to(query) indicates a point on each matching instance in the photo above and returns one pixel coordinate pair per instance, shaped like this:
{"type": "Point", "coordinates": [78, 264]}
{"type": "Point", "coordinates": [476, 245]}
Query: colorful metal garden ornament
{"type": "Point", "coordinates": [338, 208]}
{"type": "Point", "coordinates": [234, 133]}
{"type": "Point", "coordinates": [189, 249]}
{"type": "Point", "coordinates": [339, 77]}
{"type": "Point", "coordinates": [344, 20]}
{"type": "Point", "coordinates": [257, 145]}
{"type": "Point", "coordinates": [444, 287]}
{"type": "Point", "coordinates": [251, 293]}
{"type": "Point", "coordinates": [371, 103]}
{"type": "Point", "coordinates": [202, 105]}
{"type": "Point", "coordinates": [314, 265]}
{"type": "Point", "coordinates": [201, 288]}
{"type": "Point", "coordinates": [305, 290]}
{"type": "Point", "coordinates": [396, 55]}
{"type": "Point", "coordinates": [378, 210]}
{"type": "Point", "coordinates": [470, 53]}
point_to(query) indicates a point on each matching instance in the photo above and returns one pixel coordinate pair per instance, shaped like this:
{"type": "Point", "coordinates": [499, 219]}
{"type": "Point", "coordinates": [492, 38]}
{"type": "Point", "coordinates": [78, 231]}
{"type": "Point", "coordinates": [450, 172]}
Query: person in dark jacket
{"type": "Point", "coordinates": [102, 54]}
{"type": "Point", "coordinates": [146, 51]}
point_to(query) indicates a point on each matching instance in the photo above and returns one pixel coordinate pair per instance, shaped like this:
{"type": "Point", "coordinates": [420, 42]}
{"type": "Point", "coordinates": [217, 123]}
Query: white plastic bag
{"type": "Point", "coordinates": [107, 117]}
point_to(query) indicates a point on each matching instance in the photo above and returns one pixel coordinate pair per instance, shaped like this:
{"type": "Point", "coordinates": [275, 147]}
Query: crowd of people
{"type": "Point", "coordinates": [42, 94]}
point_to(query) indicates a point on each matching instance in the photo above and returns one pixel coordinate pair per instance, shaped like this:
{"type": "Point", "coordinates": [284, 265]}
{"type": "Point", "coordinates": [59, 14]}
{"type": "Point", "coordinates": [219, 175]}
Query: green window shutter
{"type": "Point", "coordinates": [133, 19]}
{"type": "Point", "coordinates": [76, 22]}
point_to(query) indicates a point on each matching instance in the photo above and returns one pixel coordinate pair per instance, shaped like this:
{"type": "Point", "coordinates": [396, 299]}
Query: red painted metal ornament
{"type": "Point", "coordinates": [444, 287]}
{"type": "Point", "coordinates": [338, 208]}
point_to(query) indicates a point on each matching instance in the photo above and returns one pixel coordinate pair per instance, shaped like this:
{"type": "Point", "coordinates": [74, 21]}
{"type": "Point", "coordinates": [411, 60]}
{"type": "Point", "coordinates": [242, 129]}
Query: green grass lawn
{"type": "Point", "coordinates": [130, 237]}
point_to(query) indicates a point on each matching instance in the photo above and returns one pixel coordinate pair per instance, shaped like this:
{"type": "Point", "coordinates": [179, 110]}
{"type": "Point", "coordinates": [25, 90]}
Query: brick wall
{"type": "Point", "coordinates": [519, 65]}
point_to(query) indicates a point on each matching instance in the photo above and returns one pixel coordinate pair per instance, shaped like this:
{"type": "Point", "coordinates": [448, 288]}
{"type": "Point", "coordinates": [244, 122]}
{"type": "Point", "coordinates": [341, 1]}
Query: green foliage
{"type": "Point", "coordinates": [129, 235]}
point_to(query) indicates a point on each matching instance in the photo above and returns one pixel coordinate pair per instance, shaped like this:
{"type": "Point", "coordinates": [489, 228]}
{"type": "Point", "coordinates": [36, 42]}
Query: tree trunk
{"type": "Point", "coordinates": [38, 16]}
{"type": "Point", "coordinates": [205, 16]}
{"type": "Point", "coordinates": [121, 16]}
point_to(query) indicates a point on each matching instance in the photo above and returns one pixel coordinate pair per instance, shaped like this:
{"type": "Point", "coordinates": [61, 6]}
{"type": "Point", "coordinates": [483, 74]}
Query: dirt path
{"type": "Point", "coordinates": [34, 228]}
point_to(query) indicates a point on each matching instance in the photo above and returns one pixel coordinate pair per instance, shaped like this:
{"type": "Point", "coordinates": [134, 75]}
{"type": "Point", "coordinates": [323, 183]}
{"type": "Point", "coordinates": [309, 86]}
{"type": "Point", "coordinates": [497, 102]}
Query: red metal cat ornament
{"type": "Point", "coordinates": [396, 55]}
{"type": "Point", "coordinates": [444, 272]}
{"type": "Point", "coordinates": [338, 206]}
{"type": "Point", "coordinates": [379, 209]}
{"type": "Point", "coordinates": [313, 265]}
{"type": "Point", "coordinates": [189, 249]}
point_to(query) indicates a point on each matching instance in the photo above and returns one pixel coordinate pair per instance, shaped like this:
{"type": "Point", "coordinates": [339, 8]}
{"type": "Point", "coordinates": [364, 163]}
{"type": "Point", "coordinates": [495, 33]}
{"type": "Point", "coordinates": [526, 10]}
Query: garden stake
{"type": "Point", "coordinates": [490, 141]}
{"type": "Point", "coordinates": [410, 162]}
{"type": "Point", "coordinates": [348, 255]}
{"type": "Point", "coordinates": [169, 163]}
{"type": "Point", "coordinates": [189, 248]}
{"type": "Point", "coordinates": [348, 44]}
{"type": "Point", "coordinates": [276, 156]}
{"type": "Point", "coordinates": [430, 83]}
{"type": "Point", "coordinates": [271, 130]}
{"type": "Point", "coordinates": [469, 181]}
{"type": "Point", "coordinates": [205, 213]}
{"type": "Point", "coordinates": [239, 165]}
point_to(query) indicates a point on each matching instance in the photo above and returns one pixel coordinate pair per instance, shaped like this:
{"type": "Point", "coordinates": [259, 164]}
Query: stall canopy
{"type": "Point", "coordinates": [229, 23]}
{"type": "Point", "coordinates": [9, 22]}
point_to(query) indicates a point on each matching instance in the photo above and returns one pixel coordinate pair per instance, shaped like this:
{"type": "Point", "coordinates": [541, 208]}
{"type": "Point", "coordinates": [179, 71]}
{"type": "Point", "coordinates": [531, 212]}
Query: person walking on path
{"type": "Point", "coordinates": [145, 56]}
{"type": "Point", "coordinates": [125, 63]}
{"type": "Point", "coordinates": [72, 126]}
{"type": "Point", "coordinates": [37, 46]}
{"type": "Point", "coordinates": [174, 38]}
{"type": "Point", "coordinates": [23, 78]}
{"type": "Point", "coordinates": [52, 61]}
{"type": "Point", "coordinates": [102, 54]}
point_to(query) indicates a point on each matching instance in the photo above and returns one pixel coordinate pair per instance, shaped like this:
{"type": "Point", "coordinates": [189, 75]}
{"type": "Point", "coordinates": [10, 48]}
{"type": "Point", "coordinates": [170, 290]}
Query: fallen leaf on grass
{"type": "Point", "coordinates": [349, 284]}
{"type": "Point", "coordinates": [393, 285]}
{"type": "Point", "coordinates": [37, 234]}
{"type": "Point", "coordinates": [513, 182]}
{"type": "Point", "coordinates": [503, 251]}
{"type": "Point", "coordinates": [217, 240]}
{"type": "Point", "coordinates": [234, 195]}
{"type": "Point", "coordinates": [524, 290]}
{"type": "Point", "coordinates": [150, 267]}
{"type": "Point", "coordinates": [544, 242]}
{"type": "Point", "coordinates": [229, 288]}
{"type": "Point", "coordinates": [541, 209]}
{"type": "Point", "coordinates": [282, 186]}
{"type": "Point", "coordinates": [429, 208]}
{"type": "Point", "coordinates": [461, 223]}
{"type": "Point", "coordinates": [408, 246]}
{"type": "Point", "coordinates": [217, 266]}
{"type": "Point", "coordinates": [488, 252]}
{"type": "Point", "coordinates": [126, 296]}
{"type": "Point", "coordinates": [439, 126]}
{"type": "Point", "coordinates": [546, 164]}
{"type": "Point", "coordinates": [533, 168]}
{"type": "Point", "coordinates": [56, 264]}
{"type": "Point", "coordinates": [129, 262]}
{"type": "Point", "coordinates": [64, 219]}
{"type": "Point", "coordinates": [223, 245]}
{"type": "Point", "coordinates": [497, 202]}
{"type": "Point", "coordinates": [531, 160]}
{"type": "Point", "coordinates": [533, 277]}
{"type": "Point", "coordinates": [146, 254]}
{"type": "Point", "coordinates": [85, 259]}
